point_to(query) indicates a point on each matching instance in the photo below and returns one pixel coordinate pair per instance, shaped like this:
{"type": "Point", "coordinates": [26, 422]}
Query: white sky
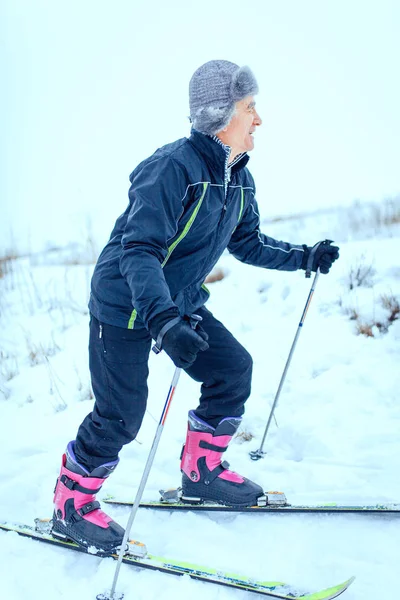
{"type": "Point", "coordinates": [91, 88]}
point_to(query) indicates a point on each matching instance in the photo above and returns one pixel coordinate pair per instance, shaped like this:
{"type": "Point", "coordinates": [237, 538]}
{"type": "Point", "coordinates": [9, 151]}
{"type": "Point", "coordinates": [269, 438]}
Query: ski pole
{"type": "Point", "coordinates": [257, 454]}
{"type": "Point", "coordinates": [142, 485]}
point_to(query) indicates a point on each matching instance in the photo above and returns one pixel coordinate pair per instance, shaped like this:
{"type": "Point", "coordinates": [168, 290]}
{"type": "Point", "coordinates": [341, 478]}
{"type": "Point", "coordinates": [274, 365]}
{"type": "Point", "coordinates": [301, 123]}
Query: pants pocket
{"type": "Point", "coordinates": [124, 346]}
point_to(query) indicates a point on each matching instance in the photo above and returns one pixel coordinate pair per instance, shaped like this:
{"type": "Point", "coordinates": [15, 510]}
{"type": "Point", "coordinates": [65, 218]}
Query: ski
{"type": "Point", "coordinates": [138, 557]}
{"type": "Point", "coordinates": [271, 502]}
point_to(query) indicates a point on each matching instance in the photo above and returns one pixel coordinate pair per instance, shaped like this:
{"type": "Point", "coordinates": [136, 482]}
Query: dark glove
{"type": "Point", "coordinates": [181, 338]}
{"type": "Point", "coordinates": [323, 256]}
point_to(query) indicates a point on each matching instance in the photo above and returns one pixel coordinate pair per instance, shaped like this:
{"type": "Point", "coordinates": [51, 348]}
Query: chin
{"type": "Point", "coordinates": [250, 145]}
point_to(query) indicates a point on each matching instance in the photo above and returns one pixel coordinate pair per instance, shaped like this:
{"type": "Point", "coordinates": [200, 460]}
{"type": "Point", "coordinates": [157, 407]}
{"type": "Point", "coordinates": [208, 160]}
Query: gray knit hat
{"type": "Point", "coordinates": [213, 91]}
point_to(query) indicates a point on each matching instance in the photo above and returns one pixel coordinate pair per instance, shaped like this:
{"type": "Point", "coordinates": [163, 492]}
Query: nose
{"type": "Point", "coordinates": [257, 119]}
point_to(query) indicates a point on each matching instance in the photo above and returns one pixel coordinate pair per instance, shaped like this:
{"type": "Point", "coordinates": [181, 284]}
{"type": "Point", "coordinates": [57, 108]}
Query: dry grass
{"type": "Point", "coordinates": [38, 353]}
{"type": "Point", "coordinates": [216, 274]}
{"type": "Point", "coordinates": [371, 328]}
{"type": "Point", "coordinates": [361, 275]}
{"type": "Point", "coordinates": [6, 264]}
{"type": "Point", "coordinates": [364, 329]}
{"type": "Point", "coordinates": [245, 436]}
{"type": "Point", "coordinates": [8, 367]}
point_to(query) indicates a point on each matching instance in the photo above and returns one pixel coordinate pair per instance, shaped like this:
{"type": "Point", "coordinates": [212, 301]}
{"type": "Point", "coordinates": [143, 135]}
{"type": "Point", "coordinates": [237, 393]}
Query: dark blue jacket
{"type": "Point", "coordinates": [185, 208]}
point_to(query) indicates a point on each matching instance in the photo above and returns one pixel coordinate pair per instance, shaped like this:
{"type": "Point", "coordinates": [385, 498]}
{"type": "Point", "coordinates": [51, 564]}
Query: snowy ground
{"type": "Point", "coordinates": [338, 437]}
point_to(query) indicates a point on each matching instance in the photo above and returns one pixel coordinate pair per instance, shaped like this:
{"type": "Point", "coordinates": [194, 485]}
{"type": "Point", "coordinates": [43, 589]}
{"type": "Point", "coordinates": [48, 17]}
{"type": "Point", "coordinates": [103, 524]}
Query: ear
{"type": "Point", "coordinates": [243, 84]}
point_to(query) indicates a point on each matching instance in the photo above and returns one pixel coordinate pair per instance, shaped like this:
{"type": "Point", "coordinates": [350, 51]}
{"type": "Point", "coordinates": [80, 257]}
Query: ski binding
{"type": "Point", "coordinates": [173, 496]}
{"type": "Point", "coordinates": [133, 548]}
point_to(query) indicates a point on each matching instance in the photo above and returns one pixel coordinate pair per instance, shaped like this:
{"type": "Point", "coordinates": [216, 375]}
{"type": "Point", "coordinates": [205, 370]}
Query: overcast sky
{"type": "Point", "coordinates": [91, 87]}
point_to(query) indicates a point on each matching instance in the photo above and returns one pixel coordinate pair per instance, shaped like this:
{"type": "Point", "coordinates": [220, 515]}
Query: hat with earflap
{"type": "Point", "coordinates": [214, 90]}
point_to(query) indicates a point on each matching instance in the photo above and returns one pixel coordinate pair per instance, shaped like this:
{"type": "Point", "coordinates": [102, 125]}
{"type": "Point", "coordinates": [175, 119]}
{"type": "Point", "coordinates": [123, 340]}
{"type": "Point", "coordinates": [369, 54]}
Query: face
{"type": "Point", "coordinates": [239, 133]}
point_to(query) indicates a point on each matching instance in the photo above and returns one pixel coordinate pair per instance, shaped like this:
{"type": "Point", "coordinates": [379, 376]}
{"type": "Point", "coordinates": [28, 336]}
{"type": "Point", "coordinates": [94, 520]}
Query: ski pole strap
{"type": "Point", "coordinates": [310, 259]}
{"type": "Point", "coordinates": [158, 345]}
{"type": "Point", "coordinates": [193, 321]}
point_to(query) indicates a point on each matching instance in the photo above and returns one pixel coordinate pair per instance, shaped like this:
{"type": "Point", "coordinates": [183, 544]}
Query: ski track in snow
{"type": "Point", "coordinates": [337, 437]}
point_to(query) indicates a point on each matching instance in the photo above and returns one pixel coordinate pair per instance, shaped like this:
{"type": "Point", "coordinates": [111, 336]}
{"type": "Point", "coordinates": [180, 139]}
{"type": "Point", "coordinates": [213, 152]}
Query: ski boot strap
{"type": "Point", "coordinates": [80, 513]}
{"type": "Point", "coordinates": [88, 508]}
{"type": "Point", "coordinates": [216, 472]}
{"type": "Point", "coordinates": [209, 446]}
{"type": "Point", "coordinates": [76, 487]}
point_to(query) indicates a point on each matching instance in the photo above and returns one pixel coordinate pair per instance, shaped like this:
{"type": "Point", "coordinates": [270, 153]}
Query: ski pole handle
{"type": "Point", "coordinates": [310, 259]}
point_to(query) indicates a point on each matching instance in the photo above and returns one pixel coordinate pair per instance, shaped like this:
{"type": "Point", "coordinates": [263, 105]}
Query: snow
{"type": "Point", "coordinates": [337, 437]}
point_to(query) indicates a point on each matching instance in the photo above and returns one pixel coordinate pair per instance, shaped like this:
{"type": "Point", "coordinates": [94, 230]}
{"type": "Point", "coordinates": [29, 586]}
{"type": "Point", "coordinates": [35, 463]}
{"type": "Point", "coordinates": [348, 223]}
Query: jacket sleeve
{"type": "Point", "coordinates": [156, 197]}
{"type": "Point", "coordinates": [250, 246]}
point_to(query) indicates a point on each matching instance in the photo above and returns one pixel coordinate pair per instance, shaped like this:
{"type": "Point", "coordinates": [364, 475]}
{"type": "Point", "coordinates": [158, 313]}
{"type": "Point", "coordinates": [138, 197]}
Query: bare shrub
{"type": "Point", "coordinates": [376, 217]}
{"type": "Point", "coordinates": [84, 389]}
{"type": "Point", "coordinates": [353, 314]}
{"type": "Point", "coordinates": [9, 371]}
{"type": "Point", "coordinates": [392, 305]}
{"type": "Point", "coordinates": [4, 391]}
{"type": "Point", "coordinates": [54, 389]}
{"type": "Point", "coordinates": [84, 252]}
{"type": "Point", "coordinates": [39, 353]}
{"type": "Point", "coordinates": [7, 263]}
{"type": "Point", "coordinates": [390, 212]}
{"type": "Point", "coordinates": [360, 275]}
{"type": "Point", "coordinates": [368, 329]}
{"type": "Point", "coordinates": [86, 393]}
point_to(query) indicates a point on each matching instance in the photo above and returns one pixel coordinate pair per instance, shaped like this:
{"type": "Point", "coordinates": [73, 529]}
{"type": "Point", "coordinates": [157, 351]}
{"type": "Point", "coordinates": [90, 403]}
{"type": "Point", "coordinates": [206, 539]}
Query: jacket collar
{"type": "Point", "coordinates": [216, 154]}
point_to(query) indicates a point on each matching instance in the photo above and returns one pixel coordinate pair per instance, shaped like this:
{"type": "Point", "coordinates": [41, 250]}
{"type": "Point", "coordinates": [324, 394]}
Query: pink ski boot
{"type": "Point", "coordinates": [77, 515]}
{"type": "Point", "coordinates": [204, 476]}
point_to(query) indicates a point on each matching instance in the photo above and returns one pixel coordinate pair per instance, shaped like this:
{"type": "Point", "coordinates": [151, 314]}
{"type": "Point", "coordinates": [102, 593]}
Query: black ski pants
{"type": "Point", "coordinates": [118, 365]}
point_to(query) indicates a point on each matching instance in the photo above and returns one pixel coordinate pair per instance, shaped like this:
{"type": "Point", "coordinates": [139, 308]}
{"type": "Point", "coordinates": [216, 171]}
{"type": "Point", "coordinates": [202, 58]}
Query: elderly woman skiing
{"type": "Point", "coordinates": [188, 202]}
